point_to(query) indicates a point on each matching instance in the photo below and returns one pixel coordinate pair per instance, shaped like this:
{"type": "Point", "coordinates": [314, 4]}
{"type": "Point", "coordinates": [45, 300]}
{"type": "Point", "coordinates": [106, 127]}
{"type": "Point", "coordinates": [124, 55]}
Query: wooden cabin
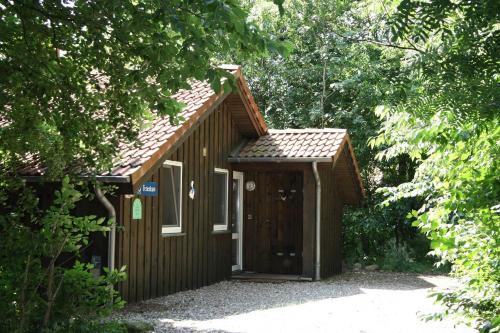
{"type": "Point", "coordinates": [221, 193]}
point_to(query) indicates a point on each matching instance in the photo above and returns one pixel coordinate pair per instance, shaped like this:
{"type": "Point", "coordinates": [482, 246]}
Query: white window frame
{"type": "Point", "coordinates": [177, 229]}
{"type": "Point", "coordinates": [224, 227]}
{"type": "Point", "coordinates": [239, 235]}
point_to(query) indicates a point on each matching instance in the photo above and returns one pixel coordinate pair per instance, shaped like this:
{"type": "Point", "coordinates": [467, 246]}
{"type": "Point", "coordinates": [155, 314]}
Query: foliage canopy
{"type": "Point", "coordinates": [79, 77]}
{"type": "Point", "coordinates": [430, 71]}
{"type": "Point", "coordinates": [449, 125]}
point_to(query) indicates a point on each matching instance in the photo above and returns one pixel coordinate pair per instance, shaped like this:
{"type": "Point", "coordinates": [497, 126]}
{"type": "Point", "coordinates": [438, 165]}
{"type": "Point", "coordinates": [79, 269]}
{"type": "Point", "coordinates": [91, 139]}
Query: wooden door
{"type": "Point", "coordinates": [273, 226]}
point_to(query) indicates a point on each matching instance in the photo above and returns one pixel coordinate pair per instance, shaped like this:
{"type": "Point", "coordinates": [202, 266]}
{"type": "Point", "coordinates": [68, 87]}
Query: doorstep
{"type": "Point", "coordinates": [264, 277]}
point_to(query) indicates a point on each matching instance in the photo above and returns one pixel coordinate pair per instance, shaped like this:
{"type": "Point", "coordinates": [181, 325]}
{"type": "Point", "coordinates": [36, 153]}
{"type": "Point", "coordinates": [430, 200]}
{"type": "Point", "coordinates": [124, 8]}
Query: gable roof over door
{"type": "Point", "coordinates": [297, 145]}
{"type": "Point", "coordinates": [326, 145]}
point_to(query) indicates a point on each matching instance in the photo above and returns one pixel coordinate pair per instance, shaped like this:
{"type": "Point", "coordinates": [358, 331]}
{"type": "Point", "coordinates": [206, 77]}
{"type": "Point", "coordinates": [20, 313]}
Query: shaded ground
{"type": "Point", "coordinates": [354, 302]}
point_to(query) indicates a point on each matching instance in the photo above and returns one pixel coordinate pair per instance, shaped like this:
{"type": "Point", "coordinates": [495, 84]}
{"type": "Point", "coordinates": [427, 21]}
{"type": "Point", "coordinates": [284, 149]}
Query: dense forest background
{"type": "Point", "coordinates": [341, 67]}
{"type": "Point", "coordinates": [416, 84]}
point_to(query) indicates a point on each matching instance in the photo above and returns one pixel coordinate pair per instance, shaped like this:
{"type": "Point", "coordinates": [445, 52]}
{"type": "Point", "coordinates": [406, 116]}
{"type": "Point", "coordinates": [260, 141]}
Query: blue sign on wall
{"type": "Point", "coordinates": [148, 189]}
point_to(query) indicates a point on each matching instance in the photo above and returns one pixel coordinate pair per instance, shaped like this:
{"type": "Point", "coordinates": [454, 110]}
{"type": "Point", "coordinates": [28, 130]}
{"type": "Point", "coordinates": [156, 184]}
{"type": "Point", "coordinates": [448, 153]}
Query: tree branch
{"type": "Point", "coordinates": [376, 42]}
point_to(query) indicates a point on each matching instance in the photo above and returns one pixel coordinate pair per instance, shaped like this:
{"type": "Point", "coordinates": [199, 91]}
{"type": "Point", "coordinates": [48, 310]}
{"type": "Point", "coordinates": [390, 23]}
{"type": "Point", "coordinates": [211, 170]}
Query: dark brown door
{"type": "Point", "coordinates": [274, 223]}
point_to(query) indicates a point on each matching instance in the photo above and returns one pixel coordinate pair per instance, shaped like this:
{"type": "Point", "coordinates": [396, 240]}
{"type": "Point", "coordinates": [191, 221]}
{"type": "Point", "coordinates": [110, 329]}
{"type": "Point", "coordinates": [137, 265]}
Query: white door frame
{"type": "Point", "coordinates": [239, 220]}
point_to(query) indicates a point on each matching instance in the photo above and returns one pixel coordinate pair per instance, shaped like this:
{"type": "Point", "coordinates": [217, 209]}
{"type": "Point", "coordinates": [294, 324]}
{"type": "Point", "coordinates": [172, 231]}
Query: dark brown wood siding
{"type": "Point", "coordinates": [331, 222]}
{"type": "Point", "coordinates": [256, 208]}
{"type": "Point", "coordinates": [163, 264]}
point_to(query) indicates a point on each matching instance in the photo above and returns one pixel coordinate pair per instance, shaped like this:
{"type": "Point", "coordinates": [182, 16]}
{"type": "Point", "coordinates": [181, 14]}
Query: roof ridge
{"type": "Point", "coordinates": [307, 130]}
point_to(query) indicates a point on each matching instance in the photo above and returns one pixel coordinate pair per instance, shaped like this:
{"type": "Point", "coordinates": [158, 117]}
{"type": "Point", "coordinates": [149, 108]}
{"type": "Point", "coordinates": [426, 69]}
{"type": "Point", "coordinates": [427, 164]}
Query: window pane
{"type": "Point", "coordinates": [235, 209]}
{"type": "Point", "coordinates": [172, 196]}
{"type": "Point", "coordinates": [220, 196]}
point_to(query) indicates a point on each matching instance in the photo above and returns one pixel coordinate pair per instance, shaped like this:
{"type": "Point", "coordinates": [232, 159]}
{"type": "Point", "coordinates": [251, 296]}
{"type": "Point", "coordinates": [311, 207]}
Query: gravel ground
{"type": "Point", "coordinates": [361, 302]}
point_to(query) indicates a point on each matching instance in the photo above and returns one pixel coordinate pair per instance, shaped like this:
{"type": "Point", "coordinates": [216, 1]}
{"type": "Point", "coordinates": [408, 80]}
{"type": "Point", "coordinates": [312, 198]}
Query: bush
{"type": "Point", "coordinates": [85, 296]}
{"type": "Point", "coordinates": [383, 235]}
{"type": "Point", "coordinates": [39, 291]}
{"type": "Point", "coordinates": [397, 258]}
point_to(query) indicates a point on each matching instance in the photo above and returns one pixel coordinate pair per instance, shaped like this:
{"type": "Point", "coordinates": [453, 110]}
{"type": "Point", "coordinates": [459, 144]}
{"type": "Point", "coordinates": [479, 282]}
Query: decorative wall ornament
{"type": "Point", "coordinates": [192, 190]}
{"type": "Point", "coordinates": [250, 185]}
{"type": "Point", "coordinates": [282, 194]}
{"type": "Point", "coordinates": [137, 209]}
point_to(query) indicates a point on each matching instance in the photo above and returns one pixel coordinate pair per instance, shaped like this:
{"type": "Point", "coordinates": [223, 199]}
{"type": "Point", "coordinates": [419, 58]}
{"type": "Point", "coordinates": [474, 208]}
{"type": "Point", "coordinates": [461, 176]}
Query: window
{"type": "Point", "coordinates": [172, 197]}
{"type": "Point", "coordinates": [221, 184]}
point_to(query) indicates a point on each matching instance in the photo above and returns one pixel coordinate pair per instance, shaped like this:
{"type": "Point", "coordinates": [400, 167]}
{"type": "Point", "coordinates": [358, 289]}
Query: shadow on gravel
{"type": "Point", "coordinates": [237, 297]}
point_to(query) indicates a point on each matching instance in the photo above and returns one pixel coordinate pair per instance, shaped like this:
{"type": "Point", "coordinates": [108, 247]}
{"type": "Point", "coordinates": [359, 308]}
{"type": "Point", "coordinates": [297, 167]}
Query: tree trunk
{"type": "Point", "coordinates": [51, 293]}
{"type": "Point", "coordinates": [50, 300]}
{"type": "Point", "coordinates": [23, 301]}
{"type": "Point", "coordinates": [323, 96]}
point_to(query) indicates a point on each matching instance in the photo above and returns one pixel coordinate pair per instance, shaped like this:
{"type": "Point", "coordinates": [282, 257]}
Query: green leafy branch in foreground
{"type": "Point", "coordinates": [450, 126]}
{"type": "Point", "coordinates": [458, 177]}
{"type": "Point", "coordinates": [80, 77]}
{"type": "Point", "coordinates": [42, 283]}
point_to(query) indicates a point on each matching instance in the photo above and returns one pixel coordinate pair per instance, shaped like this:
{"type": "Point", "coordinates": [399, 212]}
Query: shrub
{"type": "Point", "coordinates": [38, 290]}
{"type": "Point", "coordinates": [383, 235]}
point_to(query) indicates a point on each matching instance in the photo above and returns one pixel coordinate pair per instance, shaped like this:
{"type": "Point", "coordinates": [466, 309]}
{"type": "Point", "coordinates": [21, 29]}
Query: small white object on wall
{"type": "Point", "coordinates": [192, 190]}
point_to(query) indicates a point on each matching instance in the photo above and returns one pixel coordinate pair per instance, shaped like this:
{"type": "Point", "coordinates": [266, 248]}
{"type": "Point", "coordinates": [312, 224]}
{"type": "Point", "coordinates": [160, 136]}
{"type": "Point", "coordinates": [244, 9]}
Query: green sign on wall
{"type": "Point", "coordinates": [137, 209]}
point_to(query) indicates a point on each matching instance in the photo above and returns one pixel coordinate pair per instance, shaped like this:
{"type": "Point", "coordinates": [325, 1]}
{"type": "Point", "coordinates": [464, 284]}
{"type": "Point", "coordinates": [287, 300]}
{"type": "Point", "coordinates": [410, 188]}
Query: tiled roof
{"type": "Point", "coordinates": [132, 156]}
{"type": "Point", "coordinates": [294, 144]}
{"type": "Point", "coordinates": [136, 159]}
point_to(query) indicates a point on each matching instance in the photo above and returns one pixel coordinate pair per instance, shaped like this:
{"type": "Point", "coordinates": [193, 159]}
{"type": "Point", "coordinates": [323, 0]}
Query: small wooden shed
{"type": "Point", "coordinates": [221, 193]}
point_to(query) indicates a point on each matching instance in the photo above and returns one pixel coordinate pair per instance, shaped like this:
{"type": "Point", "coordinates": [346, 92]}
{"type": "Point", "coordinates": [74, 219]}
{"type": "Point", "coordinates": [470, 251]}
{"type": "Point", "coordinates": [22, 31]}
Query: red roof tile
{"type": "Point", "coordinates": [294, 144]}
{"type": "Point", "coordinates": [132, 156]}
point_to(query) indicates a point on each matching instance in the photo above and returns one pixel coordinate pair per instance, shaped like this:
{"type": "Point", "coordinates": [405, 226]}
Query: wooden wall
{"type": "Point", "coordinates": [163, 264]}
{"type": "Point", "coordinates": [331, 222]}
{"type": "Point", "coordinates": [254, 204]}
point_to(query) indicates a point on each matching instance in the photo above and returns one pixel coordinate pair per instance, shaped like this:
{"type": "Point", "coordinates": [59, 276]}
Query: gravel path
{"type": "Point", "coordinates": [359, 302]}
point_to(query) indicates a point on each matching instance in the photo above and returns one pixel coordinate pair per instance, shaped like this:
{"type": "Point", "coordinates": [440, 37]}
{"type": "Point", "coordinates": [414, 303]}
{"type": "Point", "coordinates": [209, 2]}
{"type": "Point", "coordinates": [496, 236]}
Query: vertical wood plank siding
{"type": "Point", "coordinates": [163, 264]}
{"type": "Point", "coordinates": [331, 223]}
{"type": "Point", "coordinates": [256, 207]}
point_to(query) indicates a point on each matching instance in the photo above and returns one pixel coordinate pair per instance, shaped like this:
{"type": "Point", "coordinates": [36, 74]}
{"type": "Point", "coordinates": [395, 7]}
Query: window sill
{"type": "Point", "coordinates": [221, 232]}
{"type": "Point", "coordinates": [173, 234]}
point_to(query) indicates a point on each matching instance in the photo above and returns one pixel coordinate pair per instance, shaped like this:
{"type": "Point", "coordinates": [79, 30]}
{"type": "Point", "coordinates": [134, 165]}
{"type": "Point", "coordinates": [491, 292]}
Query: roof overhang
{"type": "Point", "coordinates": [251, 108]}
{"type": "Point", "coordinates": [354, 161]}
{"type": "Point", "coordinates": [344, 152]}
{"type": "Point", "coordinates": [102, 179]}
{"type": "Point", "coordinates": [280, 159]}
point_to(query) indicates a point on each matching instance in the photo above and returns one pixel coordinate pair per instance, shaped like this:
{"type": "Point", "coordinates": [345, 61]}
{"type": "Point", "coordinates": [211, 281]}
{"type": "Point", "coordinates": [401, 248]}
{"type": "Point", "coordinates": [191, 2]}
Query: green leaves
{"type": "Point", "coordinates": [449, 126]}
{"type": "Point", "coordinates": [76, 81]}
{"type": "Point", "coordinates": [47, 237]}
{"type": "Point", "coordinates": [118, 59]}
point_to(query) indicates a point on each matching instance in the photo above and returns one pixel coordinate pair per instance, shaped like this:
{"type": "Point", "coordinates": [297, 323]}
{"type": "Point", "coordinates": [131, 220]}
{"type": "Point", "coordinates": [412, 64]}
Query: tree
{"type": "Point", "coordinates": [449, 125]}
{"type": "Point", "coordinates": [342, 66]}
{"type": "Point", "coordinates": [79, 77]}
